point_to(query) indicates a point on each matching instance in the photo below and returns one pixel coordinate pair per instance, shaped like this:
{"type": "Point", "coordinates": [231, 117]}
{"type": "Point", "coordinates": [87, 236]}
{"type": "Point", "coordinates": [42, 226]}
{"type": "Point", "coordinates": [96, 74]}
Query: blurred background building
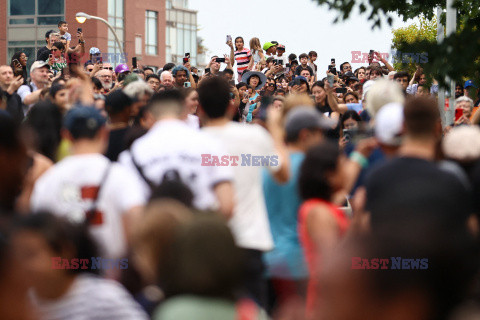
{"type": "Point", "coordinates": [154, 31]}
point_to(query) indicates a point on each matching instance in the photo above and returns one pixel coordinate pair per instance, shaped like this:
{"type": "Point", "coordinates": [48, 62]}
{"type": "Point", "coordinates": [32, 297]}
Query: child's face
{"type": "Point", "coordinates": [63, 27]}
{"type": "Point", "coordinates": [304, 61]}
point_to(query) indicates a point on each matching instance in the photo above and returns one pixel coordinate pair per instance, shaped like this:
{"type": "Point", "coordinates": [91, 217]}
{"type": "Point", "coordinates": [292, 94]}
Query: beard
{"type": "Point", "coordinates": [107, 85]}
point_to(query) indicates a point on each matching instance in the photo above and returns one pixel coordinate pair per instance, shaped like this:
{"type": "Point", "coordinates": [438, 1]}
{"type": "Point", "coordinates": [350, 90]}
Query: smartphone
{"type": "Point", "coordinates": [207, 70]}
{"type": "Point", "coordinates": [275, 61]}
{"type": "Point", "coordinates": [458, 113]}
{"type": "Point", "coordinates": [357, 134]}
{"type": "Point", "coordinates": [229, 38]}
{"type": "Point", "coordinates": [100, 59]}
{"type": "Point", "coordinates": [187, 55]}
{"type": "Point", "coordinates": [187, 84]}
{"type": "Point", "coordinates": [134, 62]}
{"type": "Point", "coordinates": [332, 61]}
{"type": "Point", "coordinates": [287, 65]}
{"type": "Point", "coordinates": [220, 60]}
{"type": "Point", "coordinates": [341, 90]}
{"type": "Point", "coordinates": [280, 62]}
{"type": "Point", "coordinates": [332, 69]}
{"type": "Point", "coordinates": [264, 103]}
{"type": "Point", "coordinates": [15, 61]}
{"type": "Point", "coordinates": [371, 52]}
{"type": "Point", "coordinates": [185, 60]}
{"type": "Point", "coordinates": [330, 78]}
{"type": "Point", "coordinates": [79, 30]}
{"type": "Point", "coordinates": [50, 56]}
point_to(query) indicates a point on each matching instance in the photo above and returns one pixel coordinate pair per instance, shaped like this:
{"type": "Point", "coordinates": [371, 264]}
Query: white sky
{"type": "Point", "coordinates": [301, 25]}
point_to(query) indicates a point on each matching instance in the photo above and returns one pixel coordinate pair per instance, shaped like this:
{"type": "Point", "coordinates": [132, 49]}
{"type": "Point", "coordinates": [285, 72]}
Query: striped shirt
{"type": "Point", "coordinates": [90, 298]}
{"type": "Point", "coordinates": [242, 58]}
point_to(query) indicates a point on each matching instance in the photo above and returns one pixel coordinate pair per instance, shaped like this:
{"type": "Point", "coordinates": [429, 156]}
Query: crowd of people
{"type": "Point", "coordinates": [269, 190]}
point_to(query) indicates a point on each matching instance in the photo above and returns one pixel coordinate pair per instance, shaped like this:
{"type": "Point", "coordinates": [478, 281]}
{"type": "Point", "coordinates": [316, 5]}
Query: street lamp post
{"type": "Point", "coordinates": [81, 17]}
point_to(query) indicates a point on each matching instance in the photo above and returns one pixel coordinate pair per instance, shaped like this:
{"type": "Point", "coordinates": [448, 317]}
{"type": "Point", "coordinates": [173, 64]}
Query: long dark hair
{"type": "Point", "coordinates": [61, 234]}
{"type": "Point", "coordinates": [236, 41]}
{"type": "Point", "coordinates": [318, 163]}
{"type": "Point", "coordinates": [349, 114]}
{"type": "Point", "coordinates": [45, 120]}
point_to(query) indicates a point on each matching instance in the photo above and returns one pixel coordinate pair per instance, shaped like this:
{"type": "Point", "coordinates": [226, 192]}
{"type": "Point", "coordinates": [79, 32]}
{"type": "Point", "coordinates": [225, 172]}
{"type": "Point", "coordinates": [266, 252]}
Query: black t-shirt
{"type": "Point", "coordinates": [116, 143]}
{"type": "Point", "coordinates": [43, 53]}
{"type": "Point", "coordinates": [409, 191]}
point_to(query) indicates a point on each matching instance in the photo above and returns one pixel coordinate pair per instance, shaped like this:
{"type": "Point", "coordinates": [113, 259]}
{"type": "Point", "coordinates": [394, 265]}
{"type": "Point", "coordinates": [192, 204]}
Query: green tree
{"type": "Point", "coordinates": [457, 56]}
{"type": "Point", "coordinates": [425, 30]}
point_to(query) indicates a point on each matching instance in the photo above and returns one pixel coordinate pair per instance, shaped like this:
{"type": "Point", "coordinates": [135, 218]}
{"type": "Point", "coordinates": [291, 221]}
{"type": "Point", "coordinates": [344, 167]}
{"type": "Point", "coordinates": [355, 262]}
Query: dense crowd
{"type": "Point", "coordinates": [277, 189]}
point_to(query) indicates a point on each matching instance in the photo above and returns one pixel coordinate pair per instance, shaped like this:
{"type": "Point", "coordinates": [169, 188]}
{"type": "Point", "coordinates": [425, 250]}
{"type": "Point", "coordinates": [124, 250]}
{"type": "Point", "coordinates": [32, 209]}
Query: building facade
{"type": "Point", "coordinates": [140, 26]}
{"type": "Point", "coordinates": [181, 32]}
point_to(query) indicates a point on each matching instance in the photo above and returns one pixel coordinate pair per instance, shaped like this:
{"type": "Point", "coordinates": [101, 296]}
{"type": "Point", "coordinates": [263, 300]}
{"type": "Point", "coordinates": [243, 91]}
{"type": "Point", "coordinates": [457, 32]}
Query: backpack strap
{"type": "Point", "coordinates": [141, 172]}
{"type": "Point", "coordinates": [90, 214]}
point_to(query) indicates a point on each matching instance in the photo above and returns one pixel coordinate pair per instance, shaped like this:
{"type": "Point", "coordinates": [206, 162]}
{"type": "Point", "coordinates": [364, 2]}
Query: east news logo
{"type": "Point", "coordinates": [394, 263]}
{"type": "Point", "coordinates": [94, 263]}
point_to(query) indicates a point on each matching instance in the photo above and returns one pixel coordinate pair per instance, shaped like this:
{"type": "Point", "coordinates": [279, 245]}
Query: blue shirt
{"type": "Point", "coordinates": [251, 108]}
{"type": "Point", "coordinates": [357, 107]}
{"type": "Point", "coordinates": [287, 259]}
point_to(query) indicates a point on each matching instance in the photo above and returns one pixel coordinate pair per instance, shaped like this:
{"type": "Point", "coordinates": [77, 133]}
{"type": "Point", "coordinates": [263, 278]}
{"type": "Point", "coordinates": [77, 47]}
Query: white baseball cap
{"type": "Point", "coordinates": [38, 64]}
{"type": "Point", "coordinates": [389, 124]}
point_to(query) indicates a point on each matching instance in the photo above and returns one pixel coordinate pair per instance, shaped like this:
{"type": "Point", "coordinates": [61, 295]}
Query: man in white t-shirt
{"type": "Point", "coordinates": [174, 150]}
{"type": "Point", "coordinates": [254, 148]}
{"type": "Point", "coordinates": [87, 188]}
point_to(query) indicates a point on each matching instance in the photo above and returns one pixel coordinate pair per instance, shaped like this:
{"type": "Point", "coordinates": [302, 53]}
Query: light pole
{"type": "Point", "coordinates": [81, 17]}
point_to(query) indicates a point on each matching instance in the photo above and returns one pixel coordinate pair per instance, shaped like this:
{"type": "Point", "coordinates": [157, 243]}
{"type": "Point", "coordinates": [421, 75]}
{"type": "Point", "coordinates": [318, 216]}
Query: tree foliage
{"type": "Point", "coordinates": [424, 30]}
{"type": "Point", "coordinates": [457, 56]}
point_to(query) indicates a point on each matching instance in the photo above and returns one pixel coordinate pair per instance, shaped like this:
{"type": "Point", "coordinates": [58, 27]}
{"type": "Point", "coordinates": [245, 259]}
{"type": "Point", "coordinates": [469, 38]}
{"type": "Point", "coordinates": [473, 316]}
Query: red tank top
{"type": "Point", "coordinates": [311, 252]}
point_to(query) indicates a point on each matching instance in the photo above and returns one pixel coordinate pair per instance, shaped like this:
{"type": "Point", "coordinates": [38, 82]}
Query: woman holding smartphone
{"type": "Point", "coordinates": [57, 59]}
{"type": "Point", "coordinates": [19, 65]}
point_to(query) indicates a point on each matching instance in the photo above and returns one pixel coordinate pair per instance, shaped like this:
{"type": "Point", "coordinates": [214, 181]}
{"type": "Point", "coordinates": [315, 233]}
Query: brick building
{"type": "Point", "coordinates": [140, 25]}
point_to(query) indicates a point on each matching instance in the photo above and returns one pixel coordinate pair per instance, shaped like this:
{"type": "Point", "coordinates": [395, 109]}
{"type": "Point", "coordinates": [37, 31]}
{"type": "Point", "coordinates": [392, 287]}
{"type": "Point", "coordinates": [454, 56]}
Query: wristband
{"type": "Point", "coordinates": [359, 158]}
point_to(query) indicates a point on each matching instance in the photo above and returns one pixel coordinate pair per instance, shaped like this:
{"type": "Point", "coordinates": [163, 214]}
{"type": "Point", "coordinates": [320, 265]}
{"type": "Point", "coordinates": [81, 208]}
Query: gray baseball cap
{"type": "Point", "coordinates": [301, 118]}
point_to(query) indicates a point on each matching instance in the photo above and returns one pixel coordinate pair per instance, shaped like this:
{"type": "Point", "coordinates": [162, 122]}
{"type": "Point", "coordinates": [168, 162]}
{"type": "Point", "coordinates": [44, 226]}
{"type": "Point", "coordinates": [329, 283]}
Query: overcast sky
{"type": "Point", "coordinates": [301, 25]}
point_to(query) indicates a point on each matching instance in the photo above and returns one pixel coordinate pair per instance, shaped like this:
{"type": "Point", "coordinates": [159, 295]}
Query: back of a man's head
{"type": "Point", "coordinates": [84, 122]}
{"type": "Point", "coordinates": [116, 102]}
{"type": "Point", "coordinates": [167, 103]}
{"type": "Point", "coordinates": [421, 117]}
{"type": "Point", "coordinates": [214, 97]}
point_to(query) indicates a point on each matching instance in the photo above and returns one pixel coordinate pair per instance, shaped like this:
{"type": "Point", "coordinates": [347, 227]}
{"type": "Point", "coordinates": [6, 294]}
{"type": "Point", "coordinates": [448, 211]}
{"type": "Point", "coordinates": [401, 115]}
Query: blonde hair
{"type": "Point", "coordinates": [297, 100]}
{"type": "Point", "coordinates": [255, 44]}
{"type": "Point", "coordinates": [380, 93]}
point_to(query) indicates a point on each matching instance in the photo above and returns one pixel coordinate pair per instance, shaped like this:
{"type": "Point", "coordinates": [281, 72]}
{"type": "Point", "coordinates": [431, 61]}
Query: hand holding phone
{"type": "Point", "coordinates": [134, 62]}
{"type": "Point", "coordinates": [458, 113]}
{"type": "Point", "coordinates": [79, 30]}
{"type": "Point", "coordinates": [229, 38]}
{"type": "Point", "coordinates": [330, 79]}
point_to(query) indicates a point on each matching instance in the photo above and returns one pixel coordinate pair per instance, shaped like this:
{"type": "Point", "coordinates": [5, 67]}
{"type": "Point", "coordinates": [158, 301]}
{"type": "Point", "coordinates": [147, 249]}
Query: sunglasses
{"type": "Point", "coordinates": [53, 50]}
{"type": "Point", "coordinates": [107, 68]}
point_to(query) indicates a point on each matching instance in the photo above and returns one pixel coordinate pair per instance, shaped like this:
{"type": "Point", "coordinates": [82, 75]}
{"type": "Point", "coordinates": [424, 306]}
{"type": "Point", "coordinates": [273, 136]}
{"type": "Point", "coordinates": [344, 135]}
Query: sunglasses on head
{"type": "Point", "coordinates": [109, 68]}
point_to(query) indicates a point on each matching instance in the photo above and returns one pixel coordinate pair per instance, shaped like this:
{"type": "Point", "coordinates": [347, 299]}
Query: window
{"type": "Point", "coordinates": [181, 33]}
{"type": "Point", "coordinates": [27, 22]}
{"type": "Point", "coordinates": [151, 38]}
{"type": "Point", "coordinates": [22, 7]}
{"type": "Point", "coordinates": [116, 19]}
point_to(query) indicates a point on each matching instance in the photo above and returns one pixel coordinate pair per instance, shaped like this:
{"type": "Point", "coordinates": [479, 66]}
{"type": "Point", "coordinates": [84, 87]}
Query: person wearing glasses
{"type": "Point", "coordinates": [105, 77]}
{"type": "Point", "coordinates": [57, 59]}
